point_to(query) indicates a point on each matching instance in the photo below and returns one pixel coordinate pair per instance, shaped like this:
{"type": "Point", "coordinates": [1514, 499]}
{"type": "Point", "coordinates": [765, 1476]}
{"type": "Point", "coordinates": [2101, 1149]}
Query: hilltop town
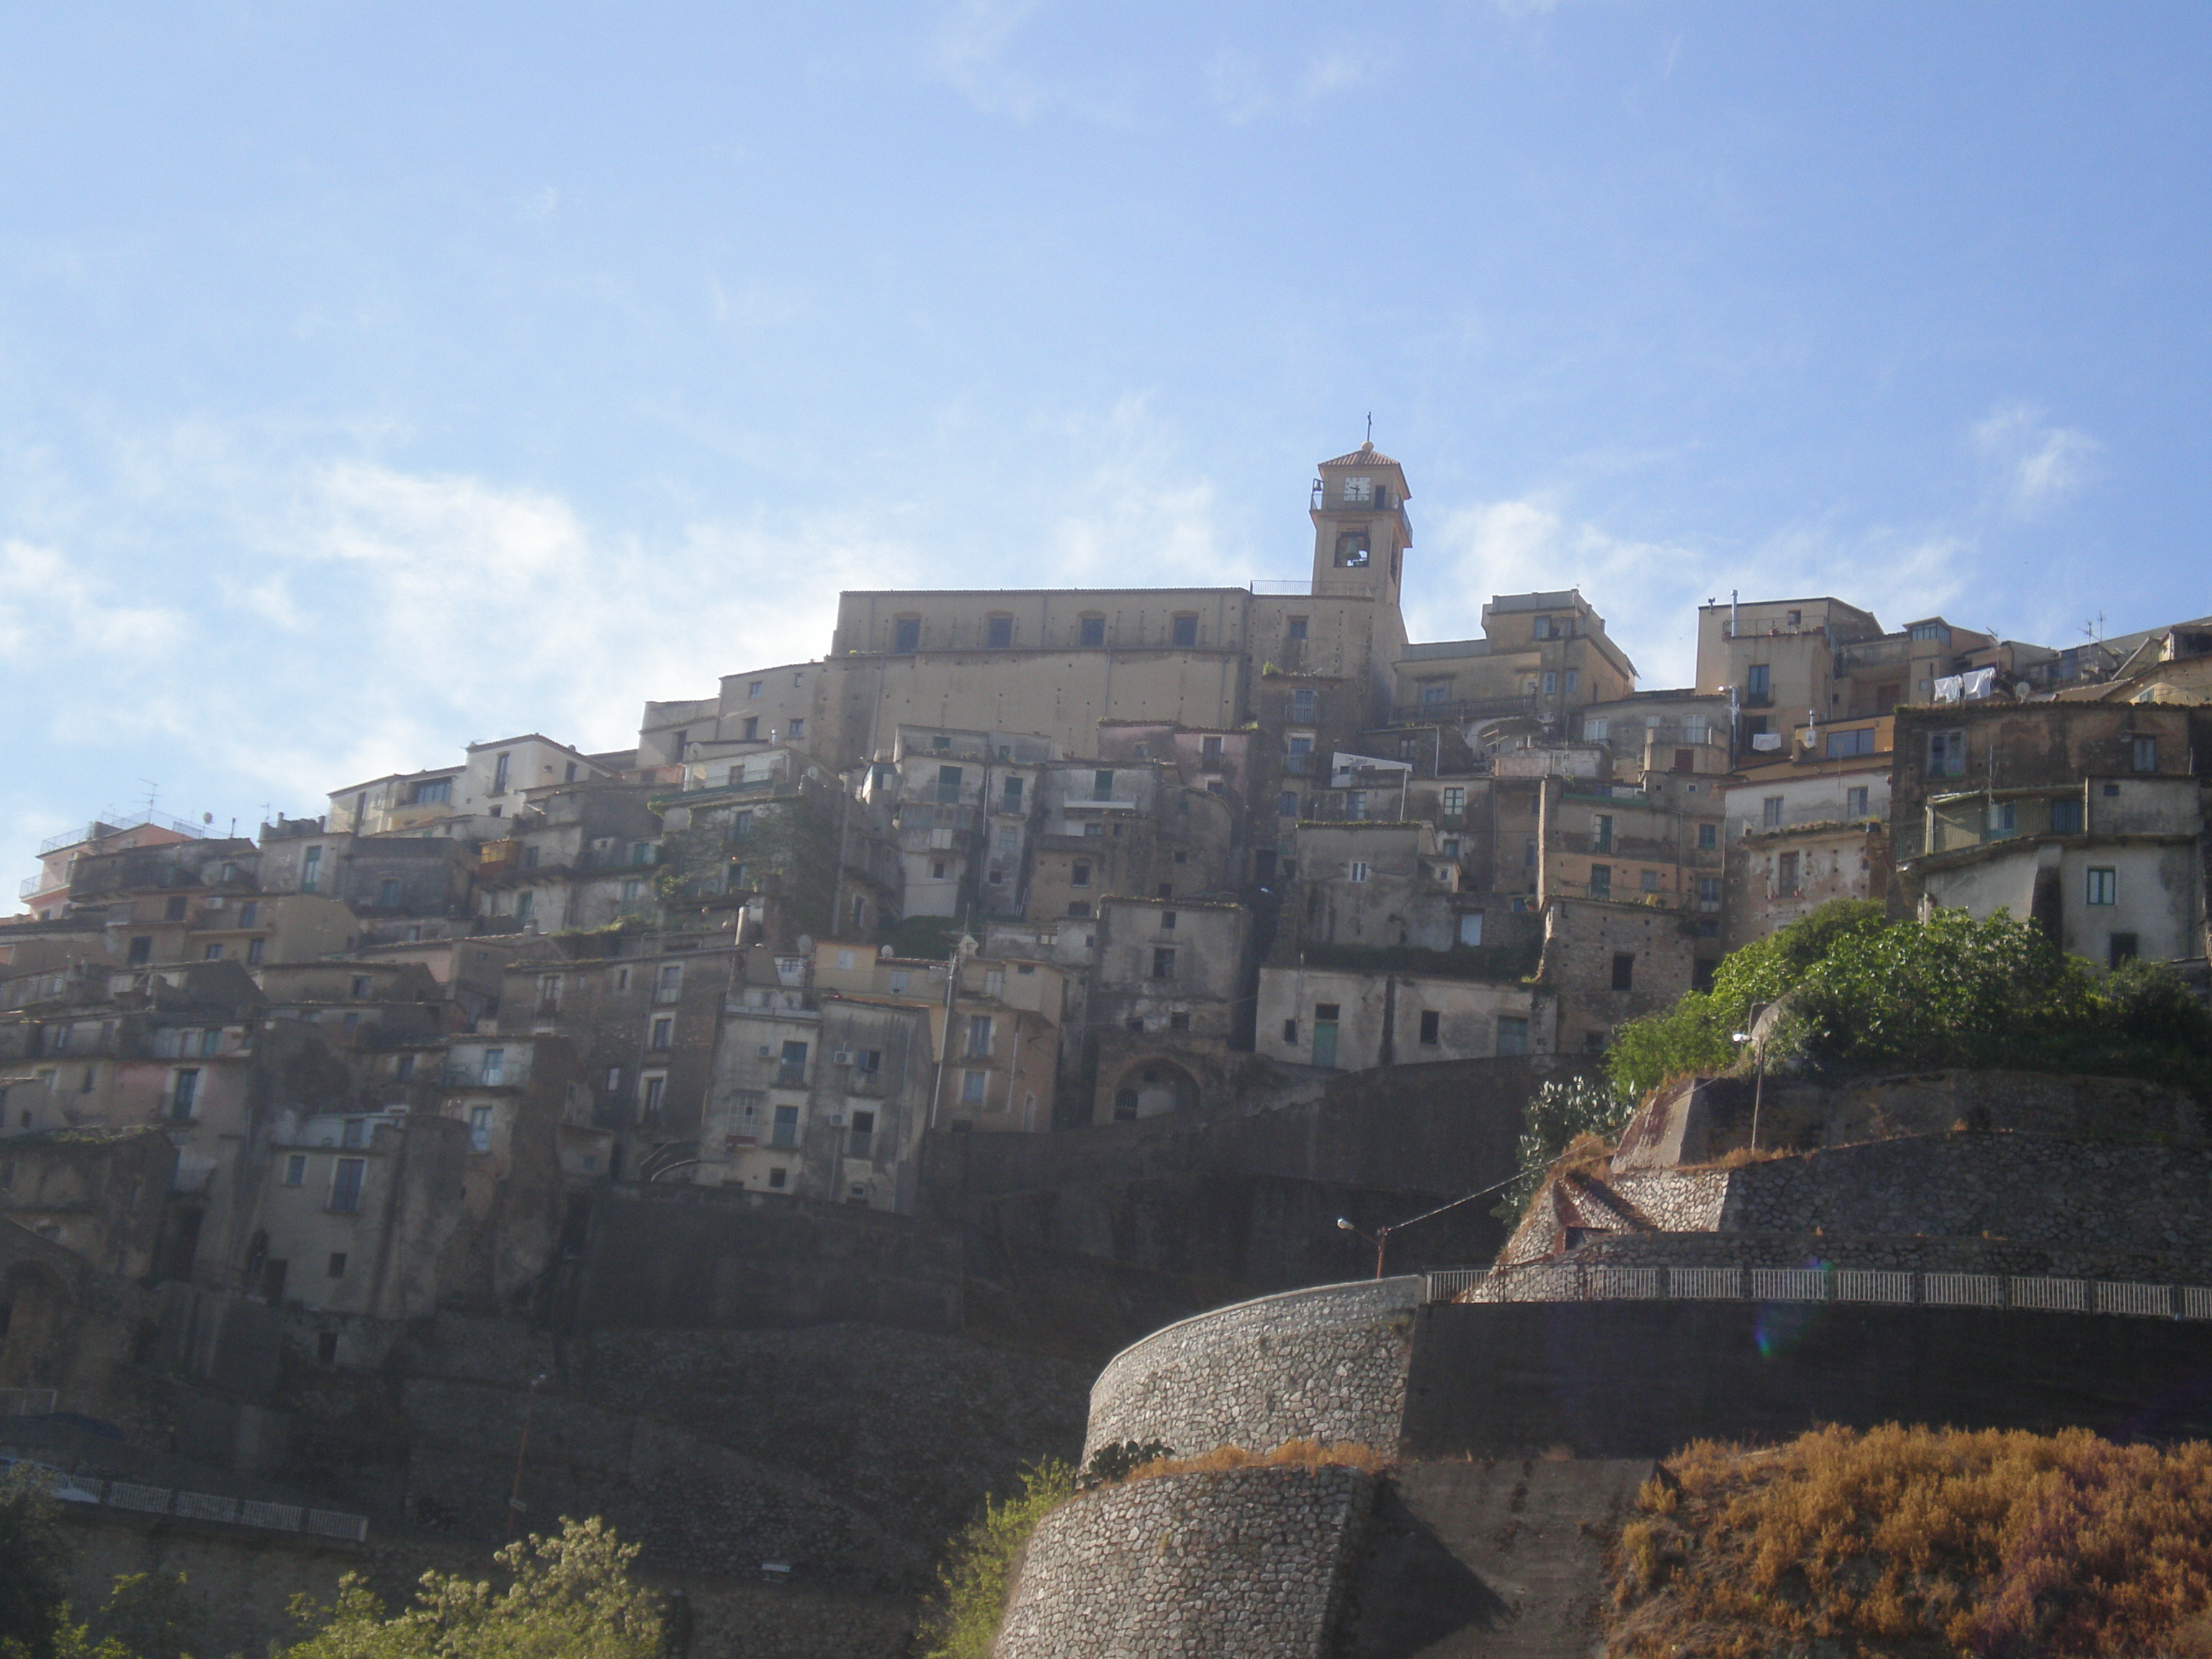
{"type": "Point", "coordinates": [998, 939]}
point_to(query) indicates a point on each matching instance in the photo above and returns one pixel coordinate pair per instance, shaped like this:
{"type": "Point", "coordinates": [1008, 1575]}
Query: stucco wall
{"type": "Point", "coordinates": [1327, 1363]}
{"type": "Point", "coordinates": [1236, 1563]}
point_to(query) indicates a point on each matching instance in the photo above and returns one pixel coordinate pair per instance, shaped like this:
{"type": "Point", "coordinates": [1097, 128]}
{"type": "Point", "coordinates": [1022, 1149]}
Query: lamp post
{"type": "Point", "coordinates": [514, 1498]}
{"type": "Point", "coordinates": [1380, 1238]}
{"type": "Point", "coordinates": [1759, 1067]}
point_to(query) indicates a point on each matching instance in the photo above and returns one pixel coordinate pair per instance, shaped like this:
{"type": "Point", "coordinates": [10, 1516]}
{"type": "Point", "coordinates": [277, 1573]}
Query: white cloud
{"type": "Point", "coordinates": [2035, 467]}
{"type": "Point", "coordinates": [53, 613]}
{"type": "Point", "coordinates": [969, 53]}
{"type": "Point", "coordinates": [539, 204]}
{"type": "Point", "coordinates": [1243, 91]}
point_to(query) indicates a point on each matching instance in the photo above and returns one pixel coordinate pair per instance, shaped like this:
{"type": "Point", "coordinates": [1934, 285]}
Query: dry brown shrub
{"type": "Point", "coordinates": [1291, 1454]}
{"type": "Point", "coordinates": [1913, 1541]}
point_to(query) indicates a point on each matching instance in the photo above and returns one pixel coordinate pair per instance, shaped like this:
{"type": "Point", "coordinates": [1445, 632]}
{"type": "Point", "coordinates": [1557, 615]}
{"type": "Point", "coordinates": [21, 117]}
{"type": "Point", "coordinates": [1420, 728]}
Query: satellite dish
{"type": "Point", "coordinates": [2020, 689]}
{"type": "Point", "coordinates": [207, 817]}
{"type": "Point", "coordinates": [806, 944]}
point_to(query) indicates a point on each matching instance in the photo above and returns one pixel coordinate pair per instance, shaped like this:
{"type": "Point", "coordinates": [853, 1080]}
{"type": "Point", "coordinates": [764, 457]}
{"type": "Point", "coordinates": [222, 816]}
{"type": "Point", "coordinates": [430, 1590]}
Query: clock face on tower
{"type": "Point", "coordinates": [1359, 489]}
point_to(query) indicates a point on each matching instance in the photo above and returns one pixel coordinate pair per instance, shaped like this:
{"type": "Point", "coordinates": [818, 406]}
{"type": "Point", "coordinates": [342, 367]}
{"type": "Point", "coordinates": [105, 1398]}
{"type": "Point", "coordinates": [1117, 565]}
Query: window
{"type": "Point", "coordinates": [1357, 870]}
{"type": "Point", "coordinates": [2066, 817]}
{"type": "Point", "coordinates": [937, 869]}
{"type": "Point", "coordinates": [1931, 631]}
{"type": "Point", "coordinates": [1572, 676]}
{"type": "Point", "coordinates": [338, 1264]}
{"type": "Point", "coordinates": [780, 1177]}
{"type": "Point", "coordinates": [1755, 680]}
{"type": "Point", "coordinates": [183, 1094]}
{"type": "Point", "coordinates": [791, 1068]}
{"type": "Point", "coordinates": [2004, 817]}
{"type": "Point", "coordinates": [860, 1135]}
{"type": "Point", "coordinates": [1649, 881]}
{"type": "Point", "coordinates": [1430, 1020]}
{"type": "Point", "coordinates": [656, 1089]}
{"type": "Point", "coordinates": [174, 910]}
{"type": "Point", "coordinates": [1454, 801]}
{"type": "Point", "coordinates": [2104, 887]}
{"type": "Point", "coordinates": [387, 895]}
{"type": "Point", "coordinates": [948, 785]}
{"type": "Point", "coordinates": [1551, 682]}
{"type": "Point", "coordinates": [1436, 694]}
{"type": "Point", "coordinates": [1286, 807]}
{"type": "Point", "coordinates": [972, 1084]}
{"type": "Point", "coordinates": [2146, 754]}
{"type": "Point", "coordinates": [672, 981]}
{"type": "Point", "coordinates": [1770, 813]}
{"type": "Point", "coordinates": [1091, 630]}
{"type": "Point", "coordinates": [358, 985]}
{"type": "Point", "coordinates": [1709, 892]}
{"type": "Point", "coordinates": [310, 869]}
{"type": "Point", "coordinates": [1708, 836]}
{"type": "Point", "coordinates": [1595, 731]}
{"type": "Point", "coordinates": [1078, 875]}
{"type": "Point", "coordinates": [1010, 795]}
{"type": "Point", "coordinates": [1624, 971]}
{"type": "Point", "coordinates": [1854, 802]}
{"type": "Point", "coordinates": [255, 949]}
{"type": "Point", "coordinates": [479, 1128]}
{"type": "Point", "coordinates": [1843, 744]}
{"type": "Point", "coordinates": [1298, 627]}
{"type": "Point", "coordinates": [212, 953]}
{"type": "Point", "coordinates": [906, 634]}
{"type": "Point", "coordinates": [1102, 785]}
{"type": "Point", "coordinates": [345, 1184]}
{"type": "Point", "coordinates": [1785, 873]}
{"type": "Point", "coordinates": [431, 792]}
{"type": "Point", "coordinates": [494, 1068]}
{"type": "Point", "coordinates": [1305, 706]}
{"type": "Point", "coordinates": [1290, 1031]}
{"type": "Point", "coordinates": [1601, 881]}
{"type": "Point", "coordinates": [1184, 630]}
{"type": "Point", "coordinates": [295, 1170]}
{"type": "Point", "coordinates": [1163, 962]}
{"type": "Point", "coordinates": [752, 728]}
{"type": "Point", "coordinates": [403, 1069]}
{"type": "Point", "coordinates": [979, 1036]}
{"type": "Point", "coordinates": [499, 775]}
{"type": "Point", "coordinates": [1078, 907]}
{"type": "Point", "coordinates": [2122, 947]}
{"type": "Point", "coordinates": [664, 1032]}
{"type": "Point", "coordinates": [1602, 836]}
{"type": "Point", "coordinates": [784, 1132]}
{"type": "Point", "coordinates": [1946, 754]}
{"type": "Point", "coordinates": [998, 632]}
{"type": "Point", "coordinates": [1512, 1034]}
{"type": "Point", "coordinates": [1470, 927]}
{"type": "Point", "coordinates": [797, 730]}
{"type": "Point", "coordinates": [141, 950]}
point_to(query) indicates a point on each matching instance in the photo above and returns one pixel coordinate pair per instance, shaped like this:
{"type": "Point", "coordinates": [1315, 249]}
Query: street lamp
{"type": "Point", "coordinates": [1758, 1070]}
{"type": "Point", "coordinates": [1380, 1238]}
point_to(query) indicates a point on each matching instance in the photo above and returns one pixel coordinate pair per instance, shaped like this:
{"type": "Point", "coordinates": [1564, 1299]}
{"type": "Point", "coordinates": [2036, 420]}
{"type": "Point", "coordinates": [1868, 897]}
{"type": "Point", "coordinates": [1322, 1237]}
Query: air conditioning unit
{"type": "Point", "coordinates": [764, 1051]}
{"type": "Point", "coordinates": [835, 1120]}
{"type": "Point", "coordinates": [842, 1057]}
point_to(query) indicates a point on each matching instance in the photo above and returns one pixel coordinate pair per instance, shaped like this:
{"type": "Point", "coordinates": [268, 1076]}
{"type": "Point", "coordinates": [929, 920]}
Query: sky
{"type": "Point", "coordinates": [379, 379]}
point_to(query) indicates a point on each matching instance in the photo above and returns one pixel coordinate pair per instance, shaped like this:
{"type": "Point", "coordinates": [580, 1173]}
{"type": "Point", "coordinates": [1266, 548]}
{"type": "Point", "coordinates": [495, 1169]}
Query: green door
{"type": "Point", "coordinates": [1324, 1040]}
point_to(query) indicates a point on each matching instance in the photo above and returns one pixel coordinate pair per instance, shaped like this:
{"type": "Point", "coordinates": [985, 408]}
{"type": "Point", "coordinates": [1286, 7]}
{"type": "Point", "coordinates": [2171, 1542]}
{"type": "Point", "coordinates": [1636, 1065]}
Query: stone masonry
{"type": "Point", "coordinates": [1220, 1566]}
{"type": "Point", "coordinates": [1326, 1365]}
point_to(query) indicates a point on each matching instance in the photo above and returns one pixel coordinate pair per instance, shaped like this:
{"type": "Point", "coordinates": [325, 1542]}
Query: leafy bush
{"type": "Point", "coordinates": [569, 1596]}
{"type": "Point", "coordinates": [1914, 1541]}
{"type": "Point", "coordinates": [34, 1567]}
{"type": "Point", "coordinates": [961, 1620]}
{"type": "Point", "coordinates": [1860, 992]}
{"type": "Point", "coordinates": [1560, 1115]}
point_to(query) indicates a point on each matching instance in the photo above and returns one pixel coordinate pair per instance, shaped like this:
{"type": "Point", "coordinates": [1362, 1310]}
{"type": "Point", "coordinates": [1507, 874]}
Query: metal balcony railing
{"type": "Point", "coordinates": [111, 823]}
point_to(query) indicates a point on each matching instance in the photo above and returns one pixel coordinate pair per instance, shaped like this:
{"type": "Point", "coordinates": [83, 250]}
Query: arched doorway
{"type": "Point", "coordinates": [1149, 1087]}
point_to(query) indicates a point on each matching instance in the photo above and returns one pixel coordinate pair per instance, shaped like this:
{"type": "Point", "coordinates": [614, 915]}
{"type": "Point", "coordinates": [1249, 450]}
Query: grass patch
{"type": "Point", "coordinates": [1291, 1455]}
{"type": "Point", "coordinates": [1904, 1542]}
{"type": "Point", "coordinates": [960, 1620]}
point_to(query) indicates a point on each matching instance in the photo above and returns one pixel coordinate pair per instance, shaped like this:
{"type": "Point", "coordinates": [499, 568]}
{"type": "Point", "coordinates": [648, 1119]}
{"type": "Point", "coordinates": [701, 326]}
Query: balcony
{"type": "Point", "coordinates": [112, 822]}
{"type": "Point", "coordinates": [30, 886]}
{"type": "Point", "coordinates": [1459, 712]}
{"type": "Point", "coordinates": [1298, 766]}
{"type": "Point", "coordinates": [788, 1076]}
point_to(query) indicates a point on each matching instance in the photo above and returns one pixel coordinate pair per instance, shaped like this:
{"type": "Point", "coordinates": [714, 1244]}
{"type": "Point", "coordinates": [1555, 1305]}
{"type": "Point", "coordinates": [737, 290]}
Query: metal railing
{"type": "Point", "coordinates": [198, 1505]}
{"type": "Point", "coordinates": [1434, 713]}
{"type": "Point", "coordinates": [112, 822]}
{"type": "Point", "coordinates": [1601, 1282]}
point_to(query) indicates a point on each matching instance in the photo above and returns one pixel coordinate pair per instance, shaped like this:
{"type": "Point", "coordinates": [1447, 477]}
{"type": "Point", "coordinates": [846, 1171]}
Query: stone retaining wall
{"type": "Point", "coordinates": [1327, 1363]}
{"type": "Point", "coordinates": [1221, 1566]}
{"type": "Point", "coordinates": [1902, 1252]}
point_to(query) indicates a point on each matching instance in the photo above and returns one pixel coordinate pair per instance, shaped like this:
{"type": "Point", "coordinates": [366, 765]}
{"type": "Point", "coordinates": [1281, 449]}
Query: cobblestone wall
{"type": "Point", "coordinates": [1327, 1365]}
{"type": "Point", "coordinates": [1193, 1566]}
{"type": "Point", "coordinates": [2149, 1203]}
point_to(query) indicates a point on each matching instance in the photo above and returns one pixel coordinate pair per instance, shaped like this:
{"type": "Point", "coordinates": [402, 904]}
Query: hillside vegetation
{"type": "Point", "coordinates": [1919, 1544]}
{"type": "Point", "coordinates": [1862, 992]}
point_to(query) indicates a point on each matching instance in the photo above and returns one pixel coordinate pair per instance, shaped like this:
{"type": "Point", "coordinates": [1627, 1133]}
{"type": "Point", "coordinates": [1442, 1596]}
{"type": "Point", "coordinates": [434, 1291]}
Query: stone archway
{"type": "Point", "coordinates": [1150, 1086]}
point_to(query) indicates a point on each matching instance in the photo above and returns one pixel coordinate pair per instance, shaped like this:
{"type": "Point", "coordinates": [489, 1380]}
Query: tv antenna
{"type": "Point", "coordinates": [2095, 630]}
{"type": "Point", "coordinates": [153, 790]}
{"type": "Point", "coordinates": [1370, 426]}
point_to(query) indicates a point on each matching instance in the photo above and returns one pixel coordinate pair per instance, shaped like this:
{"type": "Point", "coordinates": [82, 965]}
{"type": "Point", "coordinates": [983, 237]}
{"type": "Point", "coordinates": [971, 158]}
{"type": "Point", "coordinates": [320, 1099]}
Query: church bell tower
{"type": "Point", "coordinates": [1361, 531]}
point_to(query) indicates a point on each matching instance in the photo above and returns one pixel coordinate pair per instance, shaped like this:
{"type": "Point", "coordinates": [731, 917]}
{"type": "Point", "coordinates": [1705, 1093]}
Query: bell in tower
{"type": "Point", "coordinates": [1361, 531]}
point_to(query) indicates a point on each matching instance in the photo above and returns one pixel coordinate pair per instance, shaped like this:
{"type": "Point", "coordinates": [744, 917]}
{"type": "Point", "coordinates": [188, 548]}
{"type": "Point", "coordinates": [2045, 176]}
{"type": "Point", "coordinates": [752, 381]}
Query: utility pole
{"type": "Point", "coordinates": [514, 1498]}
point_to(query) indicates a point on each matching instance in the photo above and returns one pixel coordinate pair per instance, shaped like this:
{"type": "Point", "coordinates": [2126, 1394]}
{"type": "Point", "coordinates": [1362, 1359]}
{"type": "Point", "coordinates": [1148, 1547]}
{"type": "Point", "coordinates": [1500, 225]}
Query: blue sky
{"type": "Point", "coordinates": [376, 378]}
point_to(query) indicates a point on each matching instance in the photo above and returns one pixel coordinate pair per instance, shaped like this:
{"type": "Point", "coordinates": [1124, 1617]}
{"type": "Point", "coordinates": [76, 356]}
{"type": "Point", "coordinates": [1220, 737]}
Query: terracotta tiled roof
{"type": "Point", "coordinates": [1365, 455]}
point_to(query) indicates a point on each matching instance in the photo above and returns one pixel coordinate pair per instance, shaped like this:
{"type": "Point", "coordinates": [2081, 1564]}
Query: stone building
{"type": "Point", "coordinates": [102, 1192]}
{"type": "Point", "coordinates": [1809, 828]}
{"type": "Point", "coordinates": [1163, 1011]}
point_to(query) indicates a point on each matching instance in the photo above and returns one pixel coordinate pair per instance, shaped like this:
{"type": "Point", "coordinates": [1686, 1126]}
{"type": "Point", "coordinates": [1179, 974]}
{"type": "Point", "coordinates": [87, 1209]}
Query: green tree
{"type": "Point", "coordinates": [569, 1596]}
{"type": "Point", "coordinates": [961, 1620]}
{"type": "Point", "coordinates": [148, 1615]}
{"type": "Point", "coordinates": [1558, 1115]}
{"type": "Point", "coordinates": [34, 1562]}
